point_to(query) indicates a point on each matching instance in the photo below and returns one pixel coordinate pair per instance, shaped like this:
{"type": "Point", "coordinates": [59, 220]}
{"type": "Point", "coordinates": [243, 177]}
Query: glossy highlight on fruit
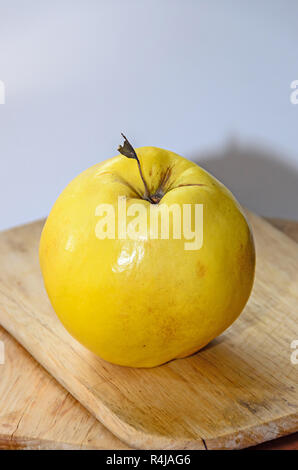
{"type": "Point", "coordinates": [144, 302]}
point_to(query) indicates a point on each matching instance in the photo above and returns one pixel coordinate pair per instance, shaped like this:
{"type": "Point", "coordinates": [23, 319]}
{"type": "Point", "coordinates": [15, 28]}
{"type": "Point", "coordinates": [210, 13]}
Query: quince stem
{"type": "Point", "coordinates": [128, 151]}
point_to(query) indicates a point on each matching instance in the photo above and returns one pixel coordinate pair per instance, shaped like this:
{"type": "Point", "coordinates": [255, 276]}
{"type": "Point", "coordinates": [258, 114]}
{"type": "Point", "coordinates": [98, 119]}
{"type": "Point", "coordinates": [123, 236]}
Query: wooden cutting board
{"type": "Point", "coordinates": [240, 390]}
{"type": "Point", "coordinates": [37, 413]}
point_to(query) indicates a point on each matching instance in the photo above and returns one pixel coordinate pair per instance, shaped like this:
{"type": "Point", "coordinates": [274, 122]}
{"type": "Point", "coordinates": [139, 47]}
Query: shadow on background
{"type": "Point", "coordinates": [259, 178]}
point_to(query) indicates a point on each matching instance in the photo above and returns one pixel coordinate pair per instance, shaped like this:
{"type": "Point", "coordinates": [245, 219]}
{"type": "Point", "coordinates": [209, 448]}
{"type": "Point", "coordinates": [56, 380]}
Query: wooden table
{"type": "Point", "coordinates": [36, 412]}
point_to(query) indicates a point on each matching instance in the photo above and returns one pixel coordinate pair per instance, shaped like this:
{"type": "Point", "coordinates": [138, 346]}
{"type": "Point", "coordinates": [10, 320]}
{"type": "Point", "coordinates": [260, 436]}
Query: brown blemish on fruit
{"type": "Point", "coordinates": [201, 269]}
{"type": "Point", "coordinates": [168, 330]}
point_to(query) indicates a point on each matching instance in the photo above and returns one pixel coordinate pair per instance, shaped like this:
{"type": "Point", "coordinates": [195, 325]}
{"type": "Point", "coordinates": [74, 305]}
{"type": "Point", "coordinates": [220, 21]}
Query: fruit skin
{"type": "Point", "coordinates": [141, 303]}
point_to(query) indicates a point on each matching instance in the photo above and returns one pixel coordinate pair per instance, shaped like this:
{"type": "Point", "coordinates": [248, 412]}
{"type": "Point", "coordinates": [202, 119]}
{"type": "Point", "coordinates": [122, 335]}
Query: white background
{"type": "Point", "coordinates": [207, 79]}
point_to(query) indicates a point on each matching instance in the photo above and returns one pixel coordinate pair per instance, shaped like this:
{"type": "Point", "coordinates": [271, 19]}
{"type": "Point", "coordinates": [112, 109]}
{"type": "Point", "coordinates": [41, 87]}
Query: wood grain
{"type": "Point", "coordinates": [37, 413]}
{"type": "Point", "coordinates": [240, 390]}
{"type": "Point", "coordinates": [289, 227]}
